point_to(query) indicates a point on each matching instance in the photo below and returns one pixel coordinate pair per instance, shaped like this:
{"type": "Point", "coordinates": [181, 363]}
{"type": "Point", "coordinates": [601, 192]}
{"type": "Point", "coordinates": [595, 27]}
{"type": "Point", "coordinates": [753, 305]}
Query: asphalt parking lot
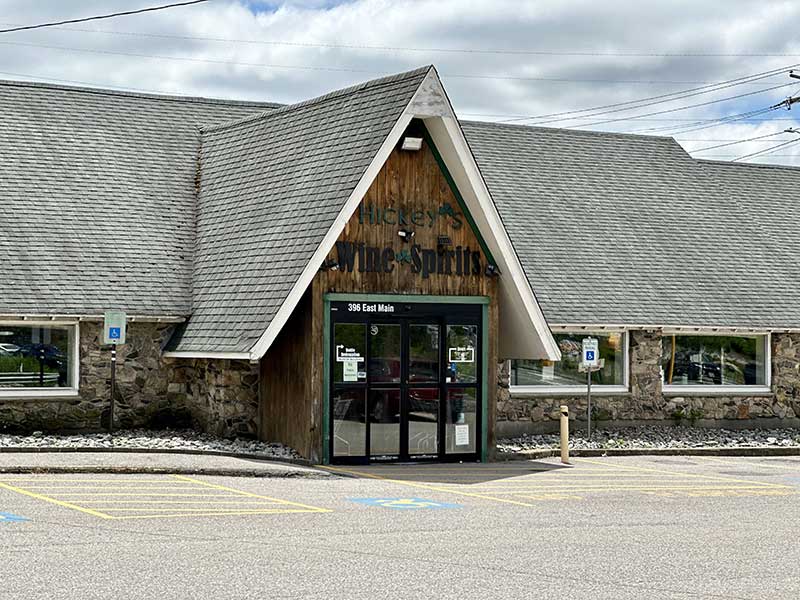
{"type": "Point", "coordinates": [648, 527]}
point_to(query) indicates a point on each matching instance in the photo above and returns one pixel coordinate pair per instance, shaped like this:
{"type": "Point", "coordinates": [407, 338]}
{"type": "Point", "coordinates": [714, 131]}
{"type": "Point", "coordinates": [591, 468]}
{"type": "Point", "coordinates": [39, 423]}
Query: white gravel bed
{"type": "Point", "coordinates": [658, 437]}
{"type": "Point", "coordinates": [136, 439]}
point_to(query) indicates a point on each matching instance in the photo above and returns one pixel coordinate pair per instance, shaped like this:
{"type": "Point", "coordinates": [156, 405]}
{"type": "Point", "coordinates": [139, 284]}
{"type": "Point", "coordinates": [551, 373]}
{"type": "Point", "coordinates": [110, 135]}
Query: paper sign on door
{"type": "Point", "coordinates": [462, 435]}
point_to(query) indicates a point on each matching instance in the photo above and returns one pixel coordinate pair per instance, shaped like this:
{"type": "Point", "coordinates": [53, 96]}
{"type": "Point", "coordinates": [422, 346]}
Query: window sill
{"type": "Point", "coordinates": [542, 390]}
{"type": "Point", "coordinates": [716, 390]}
{"type": "Point", "coordinates": [34, 394]}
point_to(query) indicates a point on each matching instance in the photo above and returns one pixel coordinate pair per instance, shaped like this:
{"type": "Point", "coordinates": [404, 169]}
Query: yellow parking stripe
{"type": "Point", "coordinates": [692, 475]}
{"type": "Point", "coordinates": [768, 464]}
{"type": "Point", "coordinates": [218, 514]}
{"type": "Point", "coordinates": [426, 486]}
{"type": "Point", "coordinates": [249, 494]}
{"type": "Point", "coordinates": [54, 501]}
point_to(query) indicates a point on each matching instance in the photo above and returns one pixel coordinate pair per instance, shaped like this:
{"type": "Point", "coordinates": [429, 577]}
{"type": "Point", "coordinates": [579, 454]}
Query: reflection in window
{"type": "Point", "coordinates": [565, 372]}
{"type": "Point", "coordinates": [384, 353]}
{"type": "Point", "coordinates": [713, 360]}
{"type": "Point", "coordinates": [423, 364]}
{"type": "Point", "coordinates": [37, 356]}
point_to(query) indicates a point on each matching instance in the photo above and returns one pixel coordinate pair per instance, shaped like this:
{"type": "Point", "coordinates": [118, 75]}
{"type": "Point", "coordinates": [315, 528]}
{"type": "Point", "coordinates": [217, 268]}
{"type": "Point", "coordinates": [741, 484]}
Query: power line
{"type": "Point", "coordinates": [671, 110]}
{"type": "Point", "coordinates": [767, 150]}
{"type": "Point", "coordinates": [699, 124]}
{"type": "Point", "coordinates": [436, 49]}
{"type": "Point", "coordinates": [760, 137]}
{"type": "Point", "coordinates": [340, 69]}
{"type": "Point", "coordinates": [625, 106]}
{"type": "Point", "coordinates": [98, 17]}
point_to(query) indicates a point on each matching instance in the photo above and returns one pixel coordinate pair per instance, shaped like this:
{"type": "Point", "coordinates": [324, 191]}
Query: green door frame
{"type": "Point", "coordinates": [411, 298]}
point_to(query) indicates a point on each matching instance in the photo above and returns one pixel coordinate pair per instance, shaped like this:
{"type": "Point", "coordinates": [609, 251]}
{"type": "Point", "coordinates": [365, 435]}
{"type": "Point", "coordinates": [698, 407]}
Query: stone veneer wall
{"type": "Point", "coordinates": [217, 396]}
{"type": "Point", "coordinates": [645, 403]}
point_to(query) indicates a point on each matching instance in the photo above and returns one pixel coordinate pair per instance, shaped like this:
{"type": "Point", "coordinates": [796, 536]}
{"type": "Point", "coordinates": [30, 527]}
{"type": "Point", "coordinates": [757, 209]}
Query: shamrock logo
{"type": "Point", "coordinates": [446, 209]}
{"type": "Point", "coordinates": [403, 256]}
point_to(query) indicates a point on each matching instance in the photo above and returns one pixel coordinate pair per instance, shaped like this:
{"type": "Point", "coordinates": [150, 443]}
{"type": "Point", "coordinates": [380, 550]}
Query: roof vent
{"type": "Point", "coordinates": [412, 144]}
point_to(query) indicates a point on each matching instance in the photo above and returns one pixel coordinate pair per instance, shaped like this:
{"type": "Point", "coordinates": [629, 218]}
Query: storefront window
{"type": "Point", "coordinates": [688, 360]}
{"type": "Point", "coordinates": [37, 357]}
{"type": "Point", "coordinates": [564, 374]}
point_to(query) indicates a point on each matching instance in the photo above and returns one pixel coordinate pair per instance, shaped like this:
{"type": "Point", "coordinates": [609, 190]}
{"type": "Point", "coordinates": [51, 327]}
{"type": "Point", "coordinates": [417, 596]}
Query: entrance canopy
{"type": "Point", "coordinates": [277, 190]}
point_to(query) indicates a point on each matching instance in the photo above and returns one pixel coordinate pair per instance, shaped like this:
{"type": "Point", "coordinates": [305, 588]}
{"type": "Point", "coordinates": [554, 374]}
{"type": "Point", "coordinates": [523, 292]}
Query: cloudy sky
{"type": "Point", "coordinates": [704, 72]}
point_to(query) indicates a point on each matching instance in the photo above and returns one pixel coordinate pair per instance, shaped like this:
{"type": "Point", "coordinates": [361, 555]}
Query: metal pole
{"type": "Point", "coordinates": [588, 402]}
{"type": "Point", "coordinates": [113, 386]}
{"type": "Point", "coordinates": [565, 434]}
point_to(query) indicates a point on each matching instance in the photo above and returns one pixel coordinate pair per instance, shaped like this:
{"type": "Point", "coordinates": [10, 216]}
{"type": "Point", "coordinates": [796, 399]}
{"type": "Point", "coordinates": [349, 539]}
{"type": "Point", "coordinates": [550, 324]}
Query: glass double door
{"type": "Point", "coordinates": [405, 388]}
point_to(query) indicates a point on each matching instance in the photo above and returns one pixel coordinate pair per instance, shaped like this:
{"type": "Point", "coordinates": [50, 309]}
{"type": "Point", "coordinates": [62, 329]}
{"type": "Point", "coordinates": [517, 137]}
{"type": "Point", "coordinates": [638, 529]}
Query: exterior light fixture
{"type": "Point", "coordinates": [330, 265]}
{"type": "Point", "coordinates": [406, 234]}
{"type": "Point", "coordinates": [412, 144]}
{"type": "Point", "coordinates": [492, 271]}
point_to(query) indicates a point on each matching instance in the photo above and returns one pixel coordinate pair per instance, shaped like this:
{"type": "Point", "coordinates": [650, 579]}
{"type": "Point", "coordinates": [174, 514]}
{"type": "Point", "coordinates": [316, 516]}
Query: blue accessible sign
{"type": "Point", "coordinates": [404, 503]}
{"type": "Point", "coordinates": [9, 518]}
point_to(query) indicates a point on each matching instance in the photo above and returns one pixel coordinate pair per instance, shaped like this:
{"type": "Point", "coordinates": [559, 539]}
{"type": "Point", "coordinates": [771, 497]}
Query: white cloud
{"type": "Point", "coordinates": [226, 69]}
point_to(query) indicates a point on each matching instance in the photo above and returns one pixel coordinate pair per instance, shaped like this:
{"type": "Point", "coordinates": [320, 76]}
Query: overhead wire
{"type": "Point", "coordinates": [99, 17]}
{"type": "Point", "coordinates": [767, 150]}
{"type": "Point", "coordinates": [642, 102]}
{"type": "Point", "coordinates": [492, 51]}
{"type": "Point", "coordinates": [680, 108]}
{"type": "Point", "coordinates": [752, 139]}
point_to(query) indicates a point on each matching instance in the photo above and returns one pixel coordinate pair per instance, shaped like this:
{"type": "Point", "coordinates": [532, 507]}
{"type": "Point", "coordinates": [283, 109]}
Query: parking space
{"type": "Point", "coordinates": [531, 483]}
{"type": "Point", "coordinates": [150, 497]}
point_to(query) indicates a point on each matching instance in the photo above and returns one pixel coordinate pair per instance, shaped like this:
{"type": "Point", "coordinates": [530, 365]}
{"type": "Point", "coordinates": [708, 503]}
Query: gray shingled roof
{"type": "Point", "coordinates": [97, 198]}
{"type": "Point", "coordinates": [270, 190]}
{"type": "Point", "coordinates": [624, 229]}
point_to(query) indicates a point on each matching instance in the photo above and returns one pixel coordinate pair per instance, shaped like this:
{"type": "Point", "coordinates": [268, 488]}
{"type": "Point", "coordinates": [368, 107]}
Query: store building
{"type": "Point", "coordinates": [357, 275]}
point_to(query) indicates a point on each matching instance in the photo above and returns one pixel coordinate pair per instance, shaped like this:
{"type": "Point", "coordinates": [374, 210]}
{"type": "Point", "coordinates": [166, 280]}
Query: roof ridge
{"type": "Point", "coordinates": [145, 95]}
{"type": "Point", "coordinates": [388, 79]}
{"type": "Point", "coordinates": [730, 163]}
{"type": "Point", "coordinates": [567, 130]}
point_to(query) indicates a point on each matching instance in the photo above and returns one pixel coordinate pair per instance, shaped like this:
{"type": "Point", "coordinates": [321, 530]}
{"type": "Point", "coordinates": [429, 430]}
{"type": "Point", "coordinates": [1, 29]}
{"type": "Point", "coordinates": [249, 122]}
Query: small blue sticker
{"type": "Point", "coordinates": [404, 503]}
{"type": "Point", "coordinates": [9, 518]}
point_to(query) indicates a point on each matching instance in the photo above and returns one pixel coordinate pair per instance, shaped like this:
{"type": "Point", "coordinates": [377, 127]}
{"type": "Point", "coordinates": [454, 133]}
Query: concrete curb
{"type": "Point", "coordinates": [214, 472]}
{"type": "Point", "coordinates": [185, 451]}
{"type": "Point", "coordinates": [702, 451]}
{"type": "Point", "coordinates": [283, 473]}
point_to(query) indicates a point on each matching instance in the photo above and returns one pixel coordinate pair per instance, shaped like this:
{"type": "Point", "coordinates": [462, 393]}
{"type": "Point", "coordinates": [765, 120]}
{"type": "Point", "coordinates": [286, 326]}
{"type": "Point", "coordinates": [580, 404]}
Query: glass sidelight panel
{"type": "Point", "coordinates": [423, 421]}
{"type": "Point", "coordinates": [462, 354]}
{"type": "Point", "coordinates": [350, 345]}
{"type": "Point", "coordinates": [423, 355]}
{"type": "Point", "coordinates": [384, 357]}
{"type": "Point", "coordinates": [384, 422]}
{"type": "Point", "coordinates": [461, 424]}
{"type": "Point", "coordinates": [349, 423]}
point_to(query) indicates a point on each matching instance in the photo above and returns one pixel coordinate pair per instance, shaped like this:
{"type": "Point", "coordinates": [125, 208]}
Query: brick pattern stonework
{"type": "Point", "coordinates": [218, 396]}
{"type": "Point", "coordinates": [645, 401]}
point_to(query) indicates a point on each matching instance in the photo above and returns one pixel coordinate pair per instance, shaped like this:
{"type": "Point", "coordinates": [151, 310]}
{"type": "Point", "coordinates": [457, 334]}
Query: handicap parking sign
{"type": "Point", "coordinates": [113, 333]}
{"type": "Point", "coordinates": [589, 355]}
{"type": "Point", "coordinates": [9, 518]}
{"type": "Point", "coordinates": [404, 503]}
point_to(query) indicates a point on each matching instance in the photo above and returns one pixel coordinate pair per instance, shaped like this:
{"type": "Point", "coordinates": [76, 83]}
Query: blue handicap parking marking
{"type": "Point", "coordinates": [590, 355]}
{"type": "Point", "coordinates": [404, 503]}
{"type": "Point", "coordinates": [113, 333]}
{"type": "Point", "coordinates": [9, 518]}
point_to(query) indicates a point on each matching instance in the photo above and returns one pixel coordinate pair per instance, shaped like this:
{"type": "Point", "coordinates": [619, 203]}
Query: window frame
{"type": "Point", "coordinates": [572, 390]}
{"type": "Point", "coordinates": [721, 390]}
{"type": "Point", "coordinates": [48, 392]}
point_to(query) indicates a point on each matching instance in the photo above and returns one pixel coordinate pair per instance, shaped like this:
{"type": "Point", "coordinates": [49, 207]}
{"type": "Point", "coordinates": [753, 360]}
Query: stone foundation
{"type": "Point", "coordinates": [645, 402]}
{"type": "Point", "coordinates": [218, 396]}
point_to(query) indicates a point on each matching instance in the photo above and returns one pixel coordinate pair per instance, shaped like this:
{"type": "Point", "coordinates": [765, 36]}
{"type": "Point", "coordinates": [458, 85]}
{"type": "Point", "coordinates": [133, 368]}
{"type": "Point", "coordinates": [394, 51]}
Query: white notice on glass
{"type": "Point", "coordinates": [462, 435]}
{"type": "Point", "coordinates": [350, 371]}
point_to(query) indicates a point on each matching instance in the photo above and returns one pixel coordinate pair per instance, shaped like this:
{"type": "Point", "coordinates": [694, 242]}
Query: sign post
{"type": "Point", "coordinates": [113, 334]}
{"type": "Point", "coordinates": [590, 360]}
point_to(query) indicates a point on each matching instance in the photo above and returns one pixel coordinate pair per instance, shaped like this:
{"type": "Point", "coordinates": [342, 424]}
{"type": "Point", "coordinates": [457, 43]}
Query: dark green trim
{"type": "Point", "coordinates": [459, 198]}
{"type": "Point", "coordinates": [326, 374]}
{"type": "Point", "coordinates": [422, 299]}
{"type": "Point", "coordinates": [485, 384]}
